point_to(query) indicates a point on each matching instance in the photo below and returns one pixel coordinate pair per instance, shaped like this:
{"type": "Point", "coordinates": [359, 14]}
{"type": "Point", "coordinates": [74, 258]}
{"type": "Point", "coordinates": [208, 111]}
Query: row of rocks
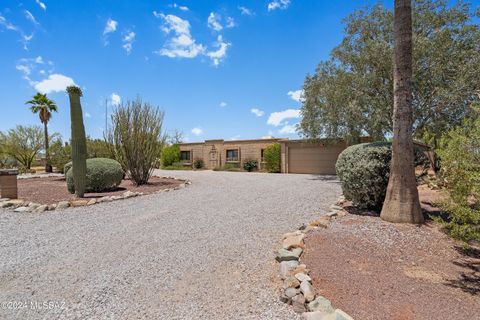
{"type": "Point", "coordinates": [297, 288]}
{"type": "Point", "coordinates": [19, 205]}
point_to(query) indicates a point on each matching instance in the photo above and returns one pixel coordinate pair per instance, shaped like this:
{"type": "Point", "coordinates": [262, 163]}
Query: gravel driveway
{"type": "Point", "coordinates": [204, 252]}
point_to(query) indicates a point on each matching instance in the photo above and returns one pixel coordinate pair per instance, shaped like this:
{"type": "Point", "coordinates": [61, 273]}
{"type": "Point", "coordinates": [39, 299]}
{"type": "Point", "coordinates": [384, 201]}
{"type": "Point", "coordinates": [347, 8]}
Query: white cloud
{"type": "Point", "coordinates": [245, 11]}
{"type": "Point", "coordinates": [41, 4]}
{"type": "Point", "coordinates": [213, 21]}
{"type": "Point", "coordinates": [30, 17]}
{"type": "Point", "coordinates": [182, 44]}
{"type": "Point", "coordinates": [115, 99]}
{"type": "Point", "coordinates": [87, 115]}
{"type": "Point", "coordinates": [230, 22]}
{"type": "Point", "coordinates": [218, 55]}
{"type": "Point", "coordinates": [110, 26]}
{"type": "Point", "coordinates": [197, 131]}
{"type": "Point", "coordinates": [236, 137]}
{"type": "Point", "coordinates": [27, 66]}
{"type": "Point", "coordinates": [277, 118]}
{"type": "Point", "coordinates": [128, 41]}
{"type": "Point", "coordinates": [288, 129]}
{"type": "Point", "coordinates": [223, 104]}
{"type": "Point", "coordinates": [54, 83]}
{"type": "Point", "coordinates": [183, 8]}
{"type": "Point", "coordinates": [257, 112]}
{"type": "Point", "coordinates": [278, 4]}
{"type": "Point", "coordinates": [25, 39]}
{"type": "Point", "coordinates": [296, 95]}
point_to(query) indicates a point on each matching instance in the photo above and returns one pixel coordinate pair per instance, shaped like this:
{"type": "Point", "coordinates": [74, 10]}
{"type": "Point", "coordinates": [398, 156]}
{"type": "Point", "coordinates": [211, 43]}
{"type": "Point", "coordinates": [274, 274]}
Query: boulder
{"type": "Point", "coordinates": [293, 242]}
{"type": "Point", "coordinates": [287, 255]}
{"type": "Point", "coordinates": [291, 282]}
{"type": "Point", "coordinates": [63, 205]}
{"type": "Point", "coordinates": [41, 208]}
{"type": "Point", "coordinates": [307, 290]}
{"type": "Point", "coordinates": [78, 203]}
{"type": "Point", "coordinates": [291, 292]}
{"type": "Point", "coordinates": [321, 304]}
{"type": "Point", "coordinates": [298, 303]}
{"type": "Point", "coordinates": [302, 277]}
{"type": "Point", "coordinates": [22, 209]}
{"type": "Point", "coordinates": [286, 268]}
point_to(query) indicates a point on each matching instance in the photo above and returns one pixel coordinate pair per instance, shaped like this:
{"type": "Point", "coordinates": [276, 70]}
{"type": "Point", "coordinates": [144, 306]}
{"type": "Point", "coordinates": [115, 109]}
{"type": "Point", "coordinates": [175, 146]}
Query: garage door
{"type": "Point", "coordinates": [313, 159]}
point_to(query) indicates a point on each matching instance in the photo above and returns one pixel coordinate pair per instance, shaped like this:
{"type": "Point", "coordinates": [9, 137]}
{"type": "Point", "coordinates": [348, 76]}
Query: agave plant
{"type": "Point", "coordinates": [42, 105]}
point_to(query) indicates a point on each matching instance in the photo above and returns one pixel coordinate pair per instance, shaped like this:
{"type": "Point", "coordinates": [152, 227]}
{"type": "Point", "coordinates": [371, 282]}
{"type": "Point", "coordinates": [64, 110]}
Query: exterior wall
{"type": "Point", "coordinates": [310, 157]}
{"type": "Point", "coordinates": [214, 152]}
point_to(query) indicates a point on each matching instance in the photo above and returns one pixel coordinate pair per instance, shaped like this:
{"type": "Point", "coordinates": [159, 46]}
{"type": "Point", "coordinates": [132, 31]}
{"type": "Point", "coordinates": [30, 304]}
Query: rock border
{"type": "Point", "coordinates": [297, 289]}
{"type": "Point", "coordinates": [19, 205]}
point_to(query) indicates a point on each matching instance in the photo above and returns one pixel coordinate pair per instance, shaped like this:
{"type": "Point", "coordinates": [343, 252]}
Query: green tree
{"type": "Point", "coordinates": [23, 143]}
{"type": "Point", "coordinates": [42, 105]}
{"type": "Point", "coordinates": [272, 158]}
{"type": "Point", "coordinates": [460, 157]}
{"type": "Point", "coordinates": [401, 200]}
{"type": "Point", "coordinates": [170, 155]}
{"type": "Point", "coordinates": [351, 94]}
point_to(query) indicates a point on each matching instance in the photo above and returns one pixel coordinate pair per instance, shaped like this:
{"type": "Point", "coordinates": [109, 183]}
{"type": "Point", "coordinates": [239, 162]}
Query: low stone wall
{"type": "Point", "coordinates": [297, 289]}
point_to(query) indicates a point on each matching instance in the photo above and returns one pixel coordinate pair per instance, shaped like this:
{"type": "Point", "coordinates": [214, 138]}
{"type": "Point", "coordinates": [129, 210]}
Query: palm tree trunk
{"type": "Point", "coordinates": [48, 168]}
{"type": "Point", "coordinates": [401, 202]}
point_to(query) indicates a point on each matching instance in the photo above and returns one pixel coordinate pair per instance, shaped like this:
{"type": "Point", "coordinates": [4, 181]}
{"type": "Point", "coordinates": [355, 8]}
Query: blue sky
{"type": "Point", "coordinates": [219, 69]}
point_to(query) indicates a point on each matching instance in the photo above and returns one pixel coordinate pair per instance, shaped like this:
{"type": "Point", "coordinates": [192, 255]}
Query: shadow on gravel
{"type": "Point", "coordinates": [325, 178]}
{"type": "Point", "coordinates": [469, 278]}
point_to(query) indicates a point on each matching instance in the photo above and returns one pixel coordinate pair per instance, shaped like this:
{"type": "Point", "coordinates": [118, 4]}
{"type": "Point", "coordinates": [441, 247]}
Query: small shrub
{"type": "Point", "coordinates": [227, 167]}
{"type": "Point", "coordinates": [272, 158]}
{"type": "Point", "coordinates": [177, 166]}
{"type": "Point", "coordinates": [102, 175]}
{"type": "Point", "coordinates": [170, 155]}
{"type": "Point", "coordinates": [250, 165]}
{"type": "Point", "coordinates": [198, 163]}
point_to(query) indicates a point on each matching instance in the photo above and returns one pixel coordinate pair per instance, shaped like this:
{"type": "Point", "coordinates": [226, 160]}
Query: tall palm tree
{"type": "Point", "coordinates": [401, 200]}
{"type": "Point", "coordinates": [42, 105]}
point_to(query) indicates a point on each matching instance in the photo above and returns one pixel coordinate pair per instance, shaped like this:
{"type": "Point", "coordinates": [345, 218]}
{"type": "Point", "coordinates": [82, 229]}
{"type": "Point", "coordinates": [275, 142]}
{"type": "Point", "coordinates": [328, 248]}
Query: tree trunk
{"type": "Point", "coordinates": [401, 202]}
{"type": "Point", "coordinates": [48, 168]}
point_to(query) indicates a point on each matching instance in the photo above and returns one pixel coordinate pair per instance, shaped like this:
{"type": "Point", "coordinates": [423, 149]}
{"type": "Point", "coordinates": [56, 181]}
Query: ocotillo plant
{"type": "Point", "coordinates": [79, 141]}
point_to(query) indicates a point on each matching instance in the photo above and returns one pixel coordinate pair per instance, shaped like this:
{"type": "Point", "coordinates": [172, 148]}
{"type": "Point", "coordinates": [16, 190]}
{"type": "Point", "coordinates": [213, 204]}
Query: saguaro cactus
{"type": "Point", "coordinates": [79, 141]}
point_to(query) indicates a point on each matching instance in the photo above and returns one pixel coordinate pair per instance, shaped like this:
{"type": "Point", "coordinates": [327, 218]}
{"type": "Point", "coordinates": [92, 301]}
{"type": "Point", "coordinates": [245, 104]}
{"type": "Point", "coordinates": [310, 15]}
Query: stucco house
{"type": "Point", "coordinates": [298, 156]}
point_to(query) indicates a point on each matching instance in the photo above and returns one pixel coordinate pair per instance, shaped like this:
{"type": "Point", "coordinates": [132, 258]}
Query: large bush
{"type": "Point", "coordinates": [102, 175]}
{"type": "Point", "coordinates": [460, 160]}
{"type": "Point", "coordinates": [170, 155]}
{"type": "Point", "coordinates": [363, 170]}
{"type": "Point", "coordinates": [272, 157]}
{"type": "Point", "coordinates": [136, 138]}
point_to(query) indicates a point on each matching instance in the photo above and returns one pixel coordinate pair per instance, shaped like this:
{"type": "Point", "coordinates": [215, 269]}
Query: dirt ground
{"type": "Point", "coordinates": [52, 190]}
{"type": "Point", "coordinates": [372, 269]}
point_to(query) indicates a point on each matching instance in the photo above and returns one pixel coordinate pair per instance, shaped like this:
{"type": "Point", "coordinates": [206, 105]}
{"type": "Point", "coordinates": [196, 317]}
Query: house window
{"type": "Point", "coordinates": [185, 155]}
{"type": "Point", "coordinates": [261, 155]}
{"type": "Point", "coordinates": [232, 155]}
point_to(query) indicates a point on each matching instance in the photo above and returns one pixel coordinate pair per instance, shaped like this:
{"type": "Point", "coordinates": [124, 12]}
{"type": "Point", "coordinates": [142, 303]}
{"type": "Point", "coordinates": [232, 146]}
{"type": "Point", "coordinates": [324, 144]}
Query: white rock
{"type": "Point", "coordinates": [302, 277]}
{"type": "Point", "coordinates": [286, 267]}
{"type": "Point", "coordinates": [22, 209]}
{"type": "Point", "coordinates": [307, 290]}
{"type": "Point", "coordinates": [41, 208]}
{"type": "Point", "coordinates": [63, 205]}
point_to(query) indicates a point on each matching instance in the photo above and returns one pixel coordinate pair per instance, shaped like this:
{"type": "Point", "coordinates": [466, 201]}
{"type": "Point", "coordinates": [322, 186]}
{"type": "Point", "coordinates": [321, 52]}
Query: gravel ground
{"type": "Point", "coordinates": [204, 252]}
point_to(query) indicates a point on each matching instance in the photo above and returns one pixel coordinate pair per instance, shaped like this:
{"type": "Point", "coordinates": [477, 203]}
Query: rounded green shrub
{"type": "Point", "coordinates": [250, 165]}
{"type": "Point", "coordinates": [363, 170]}
{"type": "Point", "coordinates": [198, 163]}
{"type": "Point", "coordinates": [102, 175]}
{"type": "Point", "coordinates": [272, 157]}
